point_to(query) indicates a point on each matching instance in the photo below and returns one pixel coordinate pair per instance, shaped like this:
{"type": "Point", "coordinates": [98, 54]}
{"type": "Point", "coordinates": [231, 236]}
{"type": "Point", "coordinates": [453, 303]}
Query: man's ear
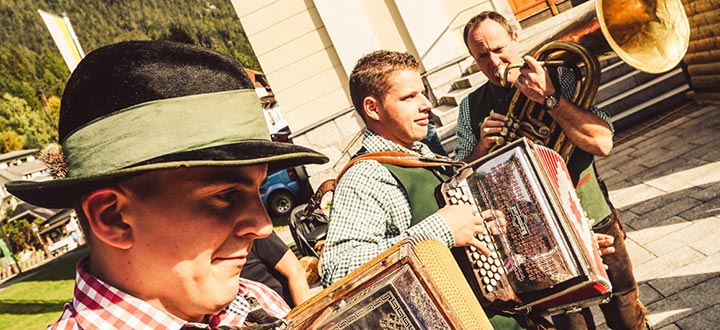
{"type": "Point", "coordinates": [102, 208]}
{"type": "Point", "coordinates": [514, 36]}
{"type": "Point", "coordinates": [371, 108]}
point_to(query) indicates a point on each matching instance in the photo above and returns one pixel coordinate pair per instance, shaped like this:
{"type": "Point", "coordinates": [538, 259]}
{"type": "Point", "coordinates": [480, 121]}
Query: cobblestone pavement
{"type": "Point", "coordinates": [665, 180]}
{"type": "Point", "coordinates": [664, 177]}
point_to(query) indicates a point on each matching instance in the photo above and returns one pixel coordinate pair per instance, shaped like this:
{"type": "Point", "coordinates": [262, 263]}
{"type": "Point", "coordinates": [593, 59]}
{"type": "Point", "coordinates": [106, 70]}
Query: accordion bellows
{"type": "Point", "coordinates": [415, 284]}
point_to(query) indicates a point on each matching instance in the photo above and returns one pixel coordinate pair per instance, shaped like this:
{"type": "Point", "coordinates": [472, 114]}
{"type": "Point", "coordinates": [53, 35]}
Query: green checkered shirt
{"type": "Point", "coordinates": [370, 212]}
{"type": "Point", "coordinates": [466, 140]}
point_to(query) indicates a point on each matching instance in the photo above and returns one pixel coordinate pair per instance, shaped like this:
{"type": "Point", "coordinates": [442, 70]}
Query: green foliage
{"type": "Point", "coordinates": [32, 69]}
{"type": "Point", "coordinates": [11, 141]}
{"type": "Point", "coordinates": [22, 236]}
{"type": "Point", "coordinates": [25, 128]}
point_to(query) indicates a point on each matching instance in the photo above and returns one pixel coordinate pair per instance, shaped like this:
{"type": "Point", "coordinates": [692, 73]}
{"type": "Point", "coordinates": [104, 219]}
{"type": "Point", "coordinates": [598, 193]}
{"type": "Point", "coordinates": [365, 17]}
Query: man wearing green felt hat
{"type": "Point", "coordinates": [164, 148]}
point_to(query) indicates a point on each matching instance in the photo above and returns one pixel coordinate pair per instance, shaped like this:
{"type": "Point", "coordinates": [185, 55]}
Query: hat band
{"type": "Point", "coordinates": [157, 128]}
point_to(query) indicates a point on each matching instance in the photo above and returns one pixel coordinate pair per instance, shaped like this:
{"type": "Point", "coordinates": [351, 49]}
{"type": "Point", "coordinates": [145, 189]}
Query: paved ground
{"type": "Point", "coordinates": [664, 177]}
{"type": "Point", "coordinates": [665, 180]}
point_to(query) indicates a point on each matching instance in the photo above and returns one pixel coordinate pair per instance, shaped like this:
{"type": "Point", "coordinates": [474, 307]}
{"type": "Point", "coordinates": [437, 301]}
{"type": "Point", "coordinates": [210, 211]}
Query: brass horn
{"type": "Point", "coordinates": [649, 35]}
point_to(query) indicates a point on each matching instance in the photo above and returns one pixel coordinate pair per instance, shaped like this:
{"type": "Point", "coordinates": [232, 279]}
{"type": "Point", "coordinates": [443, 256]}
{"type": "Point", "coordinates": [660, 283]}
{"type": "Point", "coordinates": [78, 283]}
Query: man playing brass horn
{"type": "Point", "coordinates": [493, 44]}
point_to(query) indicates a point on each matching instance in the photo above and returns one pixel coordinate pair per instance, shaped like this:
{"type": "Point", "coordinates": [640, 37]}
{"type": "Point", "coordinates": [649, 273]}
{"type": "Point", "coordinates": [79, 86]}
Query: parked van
{"type": "Point", "coordinates": [283, 189]}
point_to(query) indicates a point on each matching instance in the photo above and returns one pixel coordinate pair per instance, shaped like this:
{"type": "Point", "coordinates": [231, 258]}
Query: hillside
{"type": "Point", "coordinates": [32, 72]}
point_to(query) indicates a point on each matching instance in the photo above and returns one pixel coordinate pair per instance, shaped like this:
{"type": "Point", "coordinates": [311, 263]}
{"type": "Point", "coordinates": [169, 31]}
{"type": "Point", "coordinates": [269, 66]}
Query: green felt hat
{"type": "Point", "coordinates": [138, 106]}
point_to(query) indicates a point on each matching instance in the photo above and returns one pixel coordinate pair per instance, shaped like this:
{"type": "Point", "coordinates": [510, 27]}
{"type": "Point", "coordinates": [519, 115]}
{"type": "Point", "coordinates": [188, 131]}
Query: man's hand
{"type": "Point", "coordinates": [464, 222]}
{"type": "Point", "coordinates": [605, 244]}
{"type": "Point", "coordinates": [534, 81]}
{"type": "Point", "coordinates": [490, 130]}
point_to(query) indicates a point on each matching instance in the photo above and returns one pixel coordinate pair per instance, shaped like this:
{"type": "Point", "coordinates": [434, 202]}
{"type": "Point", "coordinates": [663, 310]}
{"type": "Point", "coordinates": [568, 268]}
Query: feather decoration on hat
{"type": "Point", "coordinates": [52, 156]}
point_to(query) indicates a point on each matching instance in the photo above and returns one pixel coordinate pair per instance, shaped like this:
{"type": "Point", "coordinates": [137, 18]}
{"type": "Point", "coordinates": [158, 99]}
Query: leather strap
{"type": "Point", "coordinates": [397, 158]}
{"type": "Point", "coordinates": [400, 158]}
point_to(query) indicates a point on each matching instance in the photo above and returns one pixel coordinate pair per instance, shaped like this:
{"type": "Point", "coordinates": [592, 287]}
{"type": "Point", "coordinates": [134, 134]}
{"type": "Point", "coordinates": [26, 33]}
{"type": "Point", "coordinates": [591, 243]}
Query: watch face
{"type": "Point", "coordinates": [551, 102]}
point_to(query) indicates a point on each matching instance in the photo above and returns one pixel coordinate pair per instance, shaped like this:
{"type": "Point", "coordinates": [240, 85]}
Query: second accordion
{"type": "Point", "coordinates": [544, 256]}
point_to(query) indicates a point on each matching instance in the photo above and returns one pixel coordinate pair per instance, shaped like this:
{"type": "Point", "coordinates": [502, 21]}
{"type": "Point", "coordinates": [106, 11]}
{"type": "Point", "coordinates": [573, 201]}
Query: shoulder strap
{"type": "Point", "coordinates": [397, 158]}
{"type": "Point", "coordinates": [400, 158]}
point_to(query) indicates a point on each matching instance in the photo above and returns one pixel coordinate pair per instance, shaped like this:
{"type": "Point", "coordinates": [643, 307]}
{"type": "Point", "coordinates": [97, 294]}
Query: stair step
{"type": "Point", "coordinates": [450, 144]}
{"type": "Point", "coordinates": [657, 105]}
{"type": "Point", "coordinates": [623, 83]}
{"type": "Point", "coordinates": [442, 80]}
{"type": "Point", "coordinates": [446, 131]}
{"type": "Point", "coordinates": [641, 93]}
{"type": "Point", "coordinates": [446, 113]}
{"type": "Point", "coordinates": [473, 79]}
{"type": "Point", "coordinates": [454, 97]}
{"type": "Point", "coordinates": [613, 71]}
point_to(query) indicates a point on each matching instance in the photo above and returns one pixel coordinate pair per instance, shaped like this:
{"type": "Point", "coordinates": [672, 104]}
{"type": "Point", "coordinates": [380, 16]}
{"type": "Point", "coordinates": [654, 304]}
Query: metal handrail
{"type": "Point", "coordinates": [428, 88]}
{"type": "Point", "coordinates": [424, 75]}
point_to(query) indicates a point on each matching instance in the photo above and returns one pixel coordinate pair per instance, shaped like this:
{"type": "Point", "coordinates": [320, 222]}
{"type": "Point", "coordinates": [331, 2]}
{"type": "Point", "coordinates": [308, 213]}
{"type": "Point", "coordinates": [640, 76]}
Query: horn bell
{"type": "Point", "coordinates": [649, 35]}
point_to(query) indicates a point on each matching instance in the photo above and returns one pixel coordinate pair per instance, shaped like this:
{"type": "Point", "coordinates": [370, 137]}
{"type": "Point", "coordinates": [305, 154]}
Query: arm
{"type": "Point", "coordinates": [468, 147]}
{"type": "Point", "coordinates": [290, 267]}
{"type": "Point", "coordinates": [584, 128]}
{"type": "Point", "coordinates": [466, 141]}
{"type": "Point", "coordinates": [369, 214]}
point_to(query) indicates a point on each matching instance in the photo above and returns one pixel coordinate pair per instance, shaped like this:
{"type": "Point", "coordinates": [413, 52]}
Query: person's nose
{"type": "Point", "coordinates": [254, 221]}
{"type": "Point", "coordinates": [496, 59]}
{"type": "Point", "coordinates": [425, 103]}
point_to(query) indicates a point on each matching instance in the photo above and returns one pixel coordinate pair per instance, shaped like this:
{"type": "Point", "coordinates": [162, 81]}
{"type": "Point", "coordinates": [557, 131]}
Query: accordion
{"type": "Point", "coordinates": [415, 284]}
{"type": "Point", "coordinates": [544, 256]}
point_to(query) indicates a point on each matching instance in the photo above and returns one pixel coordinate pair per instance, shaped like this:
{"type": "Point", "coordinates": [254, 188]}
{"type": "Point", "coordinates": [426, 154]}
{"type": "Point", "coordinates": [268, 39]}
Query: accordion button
{"type": "Point", "coordinates": [483, 272]}
{"type": "Point", "coordinates": [493, 282]}
{"type": "Point", "coordinates": [497, 275]}
{"type": "Point", "coordinates": [486, 280]}
{"type": "Point", "coordinates": [501, 270]}
{"type": "Point", "coordinates": [493, 268]}
{"type": "Point", "coordinates": [489, 288]}
{"type": "Point", "coordinates": [483, 258]}
{"type": "Point", "coordinates": [476, 255]}
{"type": "Point", "coordinates": [498, 263]}
{"type": "Point", "coordinates": [486, 266]}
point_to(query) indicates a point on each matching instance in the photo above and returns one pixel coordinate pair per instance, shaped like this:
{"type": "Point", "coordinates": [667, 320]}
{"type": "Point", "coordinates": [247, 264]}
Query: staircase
{"type": "Point", "coordinates": [630, 96]}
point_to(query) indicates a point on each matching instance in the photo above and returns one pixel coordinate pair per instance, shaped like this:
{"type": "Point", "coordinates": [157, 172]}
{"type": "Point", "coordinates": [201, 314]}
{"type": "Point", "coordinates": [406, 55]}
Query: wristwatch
{"type": "Point", "coordinates": [552, 101]}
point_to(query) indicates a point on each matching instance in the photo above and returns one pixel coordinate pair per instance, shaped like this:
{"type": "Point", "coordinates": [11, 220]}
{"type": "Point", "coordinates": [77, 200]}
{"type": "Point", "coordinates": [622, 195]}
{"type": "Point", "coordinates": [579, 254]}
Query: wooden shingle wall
{"type": "Point", "coordinates": [702, 61]}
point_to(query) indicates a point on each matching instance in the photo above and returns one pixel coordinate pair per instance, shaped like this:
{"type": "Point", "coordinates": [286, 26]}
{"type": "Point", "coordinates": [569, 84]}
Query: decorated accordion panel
{"type": "Point", "coordinates": [543, 255]}
{"type": "Point", "coordinates": [415, 284]}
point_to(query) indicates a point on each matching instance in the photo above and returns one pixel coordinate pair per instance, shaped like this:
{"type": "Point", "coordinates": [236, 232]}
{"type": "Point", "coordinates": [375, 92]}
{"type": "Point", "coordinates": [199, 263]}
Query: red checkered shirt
{"type": "Point", "coordinates": [98, 305]}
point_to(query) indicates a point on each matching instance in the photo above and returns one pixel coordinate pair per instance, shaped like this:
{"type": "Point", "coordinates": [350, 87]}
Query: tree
{"type": "Point", "coordinates": [22, 235]}
{"type": "Point", "coordinates": [35, 127]}
{"type": "Point", "coordinates": [11, 141]}
{"type": "Point", "coordinates": [32, 69]}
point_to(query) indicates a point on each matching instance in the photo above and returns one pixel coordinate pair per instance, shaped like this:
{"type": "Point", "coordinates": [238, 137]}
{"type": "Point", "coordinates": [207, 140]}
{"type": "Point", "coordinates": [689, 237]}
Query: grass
{"type": "Point", "coordinates": [36, 298]}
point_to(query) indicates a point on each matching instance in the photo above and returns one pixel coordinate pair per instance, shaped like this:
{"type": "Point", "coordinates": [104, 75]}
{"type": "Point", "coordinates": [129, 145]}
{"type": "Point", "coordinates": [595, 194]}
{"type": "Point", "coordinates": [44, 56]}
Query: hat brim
{"type": "Point", "coordinates": [62, 193]}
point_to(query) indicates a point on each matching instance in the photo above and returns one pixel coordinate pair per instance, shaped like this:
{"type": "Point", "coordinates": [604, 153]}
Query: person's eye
{"type": "Point", "coordinates": [226, 196]}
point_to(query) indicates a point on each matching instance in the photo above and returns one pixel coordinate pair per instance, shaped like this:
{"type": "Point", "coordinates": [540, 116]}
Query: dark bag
{"type": "Point", "coordinates": [308, 223]}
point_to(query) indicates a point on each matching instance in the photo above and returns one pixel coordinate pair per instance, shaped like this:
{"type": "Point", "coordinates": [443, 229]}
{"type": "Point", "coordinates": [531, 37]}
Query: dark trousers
{"type": "Point", "coordinates": [624, 311]}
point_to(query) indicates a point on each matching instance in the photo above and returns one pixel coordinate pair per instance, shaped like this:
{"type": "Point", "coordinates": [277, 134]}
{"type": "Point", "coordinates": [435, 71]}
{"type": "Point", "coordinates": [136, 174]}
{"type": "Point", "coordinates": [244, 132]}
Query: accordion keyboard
{"type": "Point", "coordinates": [488, 271]}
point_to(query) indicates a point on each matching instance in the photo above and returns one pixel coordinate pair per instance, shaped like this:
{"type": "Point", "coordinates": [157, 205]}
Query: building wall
{"type": "Point", "coordinates": [308, 48]}
{"type": "Point", "coordinates": [702, 60]}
